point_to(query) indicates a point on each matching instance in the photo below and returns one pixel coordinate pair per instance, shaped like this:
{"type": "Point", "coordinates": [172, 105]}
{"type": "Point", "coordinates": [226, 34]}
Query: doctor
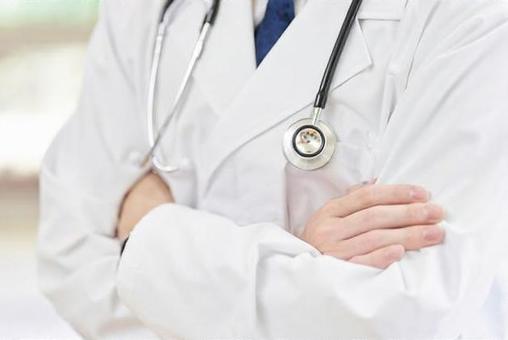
{"type": "Point", "coordinates": [255, 247]}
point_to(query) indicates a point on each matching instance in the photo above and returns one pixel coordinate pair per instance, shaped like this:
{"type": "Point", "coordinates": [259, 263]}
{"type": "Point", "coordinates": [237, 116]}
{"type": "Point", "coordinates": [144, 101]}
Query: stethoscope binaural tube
{"type": "Point", "coordinates": [309, 143]}
{"type": "Point", "coordinates": [153, 138]}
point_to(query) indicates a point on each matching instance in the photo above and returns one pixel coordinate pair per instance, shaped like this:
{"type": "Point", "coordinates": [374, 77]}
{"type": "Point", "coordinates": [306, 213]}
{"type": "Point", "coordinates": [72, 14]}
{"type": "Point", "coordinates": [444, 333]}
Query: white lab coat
{"type": "Point", "coordinates": [420, 97]}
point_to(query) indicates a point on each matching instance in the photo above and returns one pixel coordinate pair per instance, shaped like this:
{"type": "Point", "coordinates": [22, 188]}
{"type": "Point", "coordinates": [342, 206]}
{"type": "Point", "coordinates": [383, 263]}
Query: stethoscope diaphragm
{"type": "Point", "coordinates": [309, 145]}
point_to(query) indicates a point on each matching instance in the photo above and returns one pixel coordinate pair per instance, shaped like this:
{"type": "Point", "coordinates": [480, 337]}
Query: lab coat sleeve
{"type": "Point", "coordinates": [83, 179]}
{"type": "Point", "coordinates": [198, 275]}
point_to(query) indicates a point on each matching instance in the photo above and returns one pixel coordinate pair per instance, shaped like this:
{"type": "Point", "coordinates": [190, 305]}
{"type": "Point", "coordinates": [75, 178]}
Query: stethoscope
{"type": "Point", "coordinates": [308, 144]}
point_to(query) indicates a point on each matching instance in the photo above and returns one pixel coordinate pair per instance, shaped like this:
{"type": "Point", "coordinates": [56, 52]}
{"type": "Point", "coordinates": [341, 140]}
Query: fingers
{"type": "Point", "coordinates": [390, 216]}
{"type": "Point", "coordinates": [411, 238]}
{"type": "Point", "coordinates": [381, 258]}
{"type": "Point", "coordinates": [149, 192]}
{"type": "Point", "coordinates": [153, 187]}
{"type": "Point", "coordinates": [373, 195]}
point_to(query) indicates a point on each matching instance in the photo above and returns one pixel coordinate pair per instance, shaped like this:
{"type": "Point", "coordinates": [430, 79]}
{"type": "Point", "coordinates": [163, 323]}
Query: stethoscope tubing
{"type": "Point", "coordinates": [155, 140]}
{"type": "Point", "coordinates": [338, 49]}
{"type": "Point", "coordinates": [309, 162]}
{"type": "Point", "coordinates": [331, 67]}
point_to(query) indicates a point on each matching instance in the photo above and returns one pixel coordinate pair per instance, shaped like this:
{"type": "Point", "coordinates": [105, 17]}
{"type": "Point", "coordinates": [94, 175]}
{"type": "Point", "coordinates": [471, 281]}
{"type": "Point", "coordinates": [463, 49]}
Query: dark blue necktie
{"type": "Point", "coordinates": [278, 16]}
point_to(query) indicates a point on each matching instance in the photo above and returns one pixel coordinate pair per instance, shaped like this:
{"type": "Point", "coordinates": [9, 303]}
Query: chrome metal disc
{"type": "Point", "coordinates": [308, 146]}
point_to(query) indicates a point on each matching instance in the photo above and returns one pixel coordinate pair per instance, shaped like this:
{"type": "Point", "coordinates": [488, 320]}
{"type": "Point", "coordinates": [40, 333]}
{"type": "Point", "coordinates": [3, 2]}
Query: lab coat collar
{"type": "Point", "coordinates": [253, 101]}
{"type": "Point", "coordinates": [229, 58]}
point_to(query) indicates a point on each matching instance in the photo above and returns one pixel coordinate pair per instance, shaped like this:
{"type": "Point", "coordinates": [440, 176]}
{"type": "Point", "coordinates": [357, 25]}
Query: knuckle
{"type": "Point", "coordinates": [341, 254]}
{"type": "Point", "coordinates": [404, 192]}
{"type": "Point", "coordinates": [338, 252]}
{"type": "Point", "coordinates": [414, 212]}
{"type": "Point", "coordinates": [395, 253]}
{"type": "Point", "coordinates": [414, 239]}
{"type": "Point", "coordinates": [410, 188]}
{"type": "Point", "coordinates": [329, 207]}
{"type": "Point", "coordinates": [324, 231]}
{"type": "Point", "coordinates": [368, 196]}
{"type": "Point", "coordinates": [387, 263]}
{"type": "Point", "coordinates": [407, 237]}
{"type": "Point", "coordinates": [318, 230]}
{"type": "Point", "coordinates": [380, 260]}
{"type": "Point", "coordinates": [321, 233]}
{"type": "Point", "coordinates": [339, 230]}
{"type": "Point", "coordinates": [371, 239]}
{"type": "Point", "coordinates": [384, 263]}
{"type": "Point", "coordinates": [346, 249]}
{"type": "Point", "coordinates": [370, 217]}
{"type": "Point", "coordinates": [386, 256]}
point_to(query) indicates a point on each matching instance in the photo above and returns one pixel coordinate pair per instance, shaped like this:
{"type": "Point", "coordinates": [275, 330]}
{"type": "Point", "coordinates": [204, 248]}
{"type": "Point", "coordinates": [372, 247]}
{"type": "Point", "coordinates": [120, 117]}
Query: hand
{"type": "Point", "coordinates": [147, 194]}
{"type": "Point", "coordinates": [375, 224]}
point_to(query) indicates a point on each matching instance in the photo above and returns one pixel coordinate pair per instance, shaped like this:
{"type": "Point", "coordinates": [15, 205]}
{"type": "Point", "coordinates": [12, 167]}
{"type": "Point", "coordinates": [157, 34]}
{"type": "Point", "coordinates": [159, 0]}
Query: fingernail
{"type": "Point", "coordinates": [434, 212]}
{"type": "Point", "coordinates": [419, 194]}
{"type": "Point", "coordinates": [433, 234]}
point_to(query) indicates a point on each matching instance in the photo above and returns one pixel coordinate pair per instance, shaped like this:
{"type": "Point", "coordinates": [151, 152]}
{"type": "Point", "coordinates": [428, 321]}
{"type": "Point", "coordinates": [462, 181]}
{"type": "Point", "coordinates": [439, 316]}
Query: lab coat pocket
{"type": "Point", "coordinates": [352, 161]}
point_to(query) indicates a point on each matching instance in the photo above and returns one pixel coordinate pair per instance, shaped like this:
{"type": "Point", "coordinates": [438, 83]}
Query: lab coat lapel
{"type": "Point", "coordinates": [229, 57]}
{"type": "Point", "coordinates": [287, 80]}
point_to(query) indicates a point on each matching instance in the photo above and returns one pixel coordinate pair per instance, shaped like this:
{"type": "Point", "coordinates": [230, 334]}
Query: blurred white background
{"type": "Point", "coordinates": [42, 45]}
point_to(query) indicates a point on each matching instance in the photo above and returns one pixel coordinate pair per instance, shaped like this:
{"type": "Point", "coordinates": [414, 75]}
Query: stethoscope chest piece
{"type": "Point", "coordinates": [309, 145]}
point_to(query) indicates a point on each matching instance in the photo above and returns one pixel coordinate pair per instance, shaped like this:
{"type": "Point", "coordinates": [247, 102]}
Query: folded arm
{"type": "Point", "coordinates": [194, 274]}
{"type": "Point", "coordinates": [84, 177]}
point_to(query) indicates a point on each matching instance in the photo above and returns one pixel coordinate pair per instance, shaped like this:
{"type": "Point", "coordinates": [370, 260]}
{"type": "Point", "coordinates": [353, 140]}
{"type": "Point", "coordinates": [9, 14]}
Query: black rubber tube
{"type": "Point", "coordinates": [331, 67]}
{"type": "Point", "coordinates": [165, 9]}
{"type": "Point", "coordinates": [212, 13]}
